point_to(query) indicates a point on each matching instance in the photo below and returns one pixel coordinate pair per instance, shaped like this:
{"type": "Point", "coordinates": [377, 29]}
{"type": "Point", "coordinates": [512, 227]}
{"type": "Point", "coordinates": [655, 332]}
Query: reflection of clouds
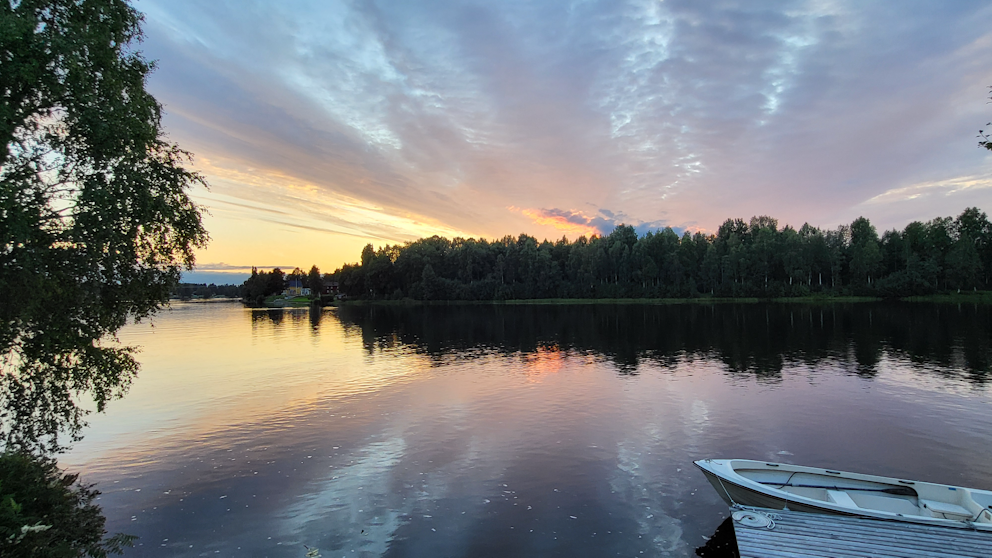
{"type": "Point", "coordinates": [643, 459]}
{"type": "Point", "coordinates": [669, 427]}
{"type": "Point", "coordinates": [637, 481]}
{"type": "Point", "coordinates": [698, 419]}
{"type": "Point", "coordinates": [353, 506]}
{"type": "Point", "coordinates": [389, 485]}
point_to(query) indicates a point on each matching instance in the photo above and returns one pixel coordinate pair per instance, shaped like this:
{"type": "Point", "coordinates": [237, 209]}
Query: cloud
{"type": "Point", "coordinates": [272, 196]}
{"type": "Point", "coordinates": [221, 273]}
{"type": "Point", "coordinates": [391, 120]}
{"type": "Point", "coordinates": [567, 221]}
{"type": "Point", "coordinates": [922, 201]}
{"type": "Point", "coordinates": [948, 187]}
{"type": "Point", "coordinates": [222, 267]}
{"type": "Point", "coordinates": [579, 223]}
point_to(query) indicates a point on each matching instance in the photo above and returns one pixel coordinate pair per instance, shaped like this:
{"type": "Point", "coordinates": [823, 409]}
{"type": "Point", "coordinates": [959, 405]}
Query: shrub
{"type": "Point", "coordinates": [45, 512]}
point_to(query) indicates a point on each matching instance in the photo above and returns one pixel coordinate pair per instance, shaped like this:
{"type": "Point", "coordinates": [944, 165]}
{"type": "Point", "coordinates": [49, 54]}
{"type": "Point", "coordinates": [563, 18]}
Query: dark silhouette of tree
{"type": "Point", "coordinates": [275, 282]}
{"type": "Point", "coordinates": [314, 281]}
{"type": "Point", "coordinates": [865, 255]}
{"type": "Point", "coordinates": [430, 287]}
{"type": "Point", "coordinates": [96, 225]}
{"type": "Point", "coordinates": [756, 258]}
{"type": "Point", "coordinates": [95, 218]}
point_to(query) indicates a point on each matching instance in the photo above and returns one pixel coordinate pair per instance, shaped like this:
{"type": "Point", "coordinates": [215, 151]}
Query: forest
{"type": "Point", "coordinates": [189, 291]}
{"type": "Point", "coordinates": [752, 258]}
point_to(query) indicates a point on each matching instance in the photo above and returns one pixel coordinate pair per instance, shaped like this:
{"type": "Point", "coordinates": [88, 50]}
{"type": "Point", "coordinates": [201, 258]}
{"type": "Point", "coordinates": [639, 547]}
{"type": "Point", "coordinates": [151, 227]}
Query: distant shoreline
{"type": "Point", "coordinates": [982, 297]}
{"type": "Point", "coordinates": [204, 300]}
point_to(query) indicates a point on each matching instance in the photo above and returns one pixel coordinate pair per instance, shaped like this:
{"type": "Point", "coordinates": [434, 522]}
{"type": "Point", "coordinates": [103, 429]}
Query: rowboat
{"type": "Point", "coordinates": [745, 482]}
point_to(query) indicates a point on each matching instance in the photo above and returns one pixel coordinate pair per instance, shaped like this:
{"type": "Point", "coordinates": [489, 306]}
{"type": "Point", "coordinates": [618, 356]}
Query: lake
{"type": "Point", "coordinates": [531, 430]}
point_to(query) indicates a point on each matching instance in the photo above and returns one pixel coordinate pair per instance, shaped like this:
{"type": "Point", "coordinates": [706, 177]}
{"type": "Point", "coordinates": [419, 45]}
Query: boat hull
{"type": "Point", "coordinates": [741, 482]}
{"type": "Point", "coordinates": [736, 495]}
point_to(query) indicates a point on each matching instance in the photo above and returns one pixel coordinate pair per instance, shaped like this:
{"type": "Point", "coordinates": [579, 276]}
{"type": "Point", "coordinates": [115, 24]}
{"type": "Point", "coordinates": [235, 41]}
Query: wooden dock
{"type": "Point", "coordinates": [765, 533]}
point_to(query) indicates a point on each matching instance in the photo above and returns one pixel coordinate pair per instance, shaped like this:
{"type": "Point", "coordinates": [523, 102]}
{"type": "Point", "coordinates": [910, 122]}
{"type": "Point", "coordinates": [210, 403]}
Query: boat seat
{"type": "Point", "coordinates": [888, 504]}
{"type": "Point", "coordinates": [946, 510]}
{"type": "Point", "coordinates": [841, 498]}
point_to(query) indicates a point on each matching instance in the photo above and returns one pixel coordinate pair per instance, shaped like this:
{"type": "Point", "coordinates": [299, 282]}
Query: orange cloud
{"type": "Point", "coordinates": [571, 221]}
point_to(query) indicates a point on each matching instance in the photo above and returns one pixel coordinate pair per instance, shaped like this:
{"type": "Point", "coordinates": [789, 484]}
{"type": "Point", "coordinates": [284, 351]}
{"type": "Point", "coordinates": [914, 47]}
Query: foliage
{"type": "Point", "coordinates": [262, 284]}
{"type": "Point", "coordinates": [46, 513]}
{"type": "Point", "coordinates": [985, 140]}
{"type": "Point", "coordinates": [314, 281]}
{"type": "Point", "coordinates": [186, 291]}
{"type": "Point", "coordinates": [95, 218]}
{"type": "Point", "coordinates": [743, 259]}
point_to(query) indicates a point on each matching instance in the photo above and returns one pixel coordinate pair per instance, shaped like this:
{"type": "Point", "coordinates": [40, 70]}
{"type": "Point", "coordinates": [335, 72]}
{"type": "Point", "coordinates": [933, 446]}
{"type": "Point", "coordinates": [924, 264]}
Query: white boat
{"type": "Point", "coordinates": [782, 486]}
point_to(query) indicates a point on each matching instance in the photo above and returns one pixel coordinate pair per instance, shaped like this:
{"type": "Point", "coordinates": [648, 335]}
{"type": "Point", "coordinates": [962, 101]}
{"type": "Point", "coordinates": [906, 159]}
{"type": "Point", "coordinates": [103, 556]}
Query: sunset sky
{"type": "Point", "coordinates": [322, 126]}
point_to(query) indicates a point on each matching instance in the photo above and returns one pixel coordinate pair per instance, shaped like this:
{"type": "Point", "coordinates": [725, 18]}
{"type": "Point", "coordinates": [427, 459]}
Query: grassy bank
{"type": "Point", "coordinates": [981, 297]}
{"type": "Point", "coordinates": [973, 297]}
{"type": "Point", "coordinates": [579, 301]}
{"type": "Point", "coordinates": [279, 301]}
{"type": "Point", "coordinates": [631, 301]}
{"type": "Point", "coordinates": [826, 299]}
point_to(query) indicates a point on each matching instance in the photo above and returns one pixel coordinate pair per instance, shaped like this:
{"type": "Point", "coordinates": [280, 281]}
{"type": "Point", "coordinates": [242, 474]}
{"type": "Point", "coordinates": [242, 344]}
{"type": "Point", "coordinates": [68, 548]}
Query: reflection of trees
{"type": "Point", "coordinates": [723, 543]}
{"type": "Point", "coordinates": [315, 313]}
{"type": "Point", "coordinates": [756, 339]}
{"type": "Point", "coordinates": [277, 317]}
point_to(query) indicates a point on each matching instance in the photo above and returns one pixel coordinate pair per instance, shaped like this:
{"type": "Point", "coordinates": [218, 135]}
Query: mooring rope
{"type": "Point", "coordinates": [754, 518]}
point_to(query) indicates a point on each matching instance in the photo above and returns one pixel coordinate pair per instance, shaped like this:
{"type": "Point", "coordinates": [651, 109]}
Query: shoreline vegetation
{"type": "Point", "coordinates": [977, 297]}
{"type": "Point", "coordinates": [276, 301]}
{"type": "Point", "coordinates": [945, 259]}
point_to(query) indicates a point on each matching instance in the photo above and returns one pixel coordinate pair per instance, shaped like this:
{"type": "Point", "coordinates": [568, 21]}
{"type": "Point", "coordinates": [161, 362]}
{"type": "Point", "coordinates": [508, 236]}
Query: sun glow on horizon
{"type": "Point", "coordinates": [264, 217]}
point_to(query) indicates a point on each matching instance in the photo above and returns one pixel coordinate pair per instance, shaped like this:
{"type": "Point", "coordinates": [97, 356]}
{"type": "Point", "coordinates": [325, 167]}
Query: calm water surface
{"type": "Point", "coordinates": [517, 430]}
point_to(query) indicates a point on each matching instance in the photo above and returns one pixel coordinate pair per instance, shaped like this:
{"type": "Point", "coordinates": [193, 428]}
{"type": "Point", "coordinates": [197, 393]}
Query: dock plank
{"type": "Point", "coordinates": [793, 534]}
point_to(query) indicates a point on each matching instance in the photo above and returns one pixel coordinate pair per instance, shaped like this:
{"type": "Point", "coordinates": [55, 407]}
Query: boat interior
{"type": "Point", "coordinates": [897, 497]}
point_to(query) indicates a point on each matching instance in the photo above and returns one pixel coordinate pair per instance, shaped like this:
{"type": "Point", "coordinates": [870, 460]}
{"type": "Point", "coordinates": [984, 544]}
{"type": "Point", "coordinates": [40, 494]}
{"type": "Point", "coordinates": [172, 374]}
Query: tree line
{"type": "Point", "coordinates": [187, 291]}
{"type": "Point", "coordinates": [752, 258]}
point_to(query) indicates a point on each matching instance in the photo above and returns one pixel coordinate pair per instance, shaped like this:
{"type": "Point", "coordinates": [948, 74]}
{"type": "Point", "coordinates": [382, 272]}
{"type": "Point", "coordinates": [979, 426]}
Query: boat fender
{"type": "Point", "coordinates": [753, 519]}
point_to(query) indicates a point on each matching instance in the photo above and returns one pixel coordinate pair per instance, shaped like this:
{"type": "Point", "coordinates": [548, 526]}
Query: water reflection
{"type": "Point", "coordinates": [723, 543]}
{"type": "Point", "coordinates": [759, 339]}
{"type": "Point", "coordinates": [315, 313]}
{"type": "Point", "coordinates": [393, 431]}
